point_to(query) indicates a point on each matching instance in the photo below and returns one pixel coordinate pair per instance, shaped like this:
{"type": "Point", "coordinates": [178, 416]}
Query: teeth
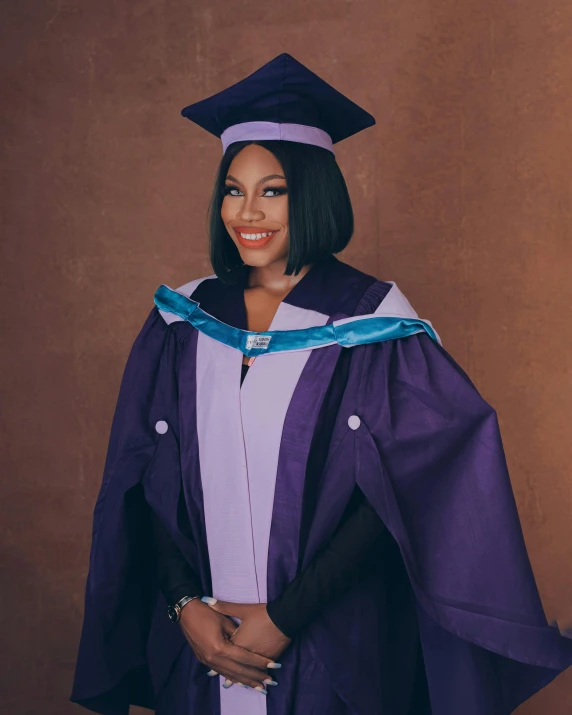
{"type": "Point", "coordinates": [256, 236]}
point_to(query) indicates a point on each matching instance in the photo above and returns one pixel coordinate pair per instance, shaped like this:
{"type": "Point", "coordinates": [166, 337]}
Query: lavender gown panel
{"type": "Point", "coordinates": [238, 479]}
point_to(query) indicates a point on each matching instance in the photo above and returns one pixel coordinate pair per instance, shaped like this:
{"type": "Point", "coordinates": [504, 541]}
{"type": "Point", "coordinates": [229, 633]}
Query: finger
{"type": "Point", "coordinates": [247, 657]}
{"type": "Point", "coordinates": [217, 605]}
{"type": "Point", "coordinates": [240, 672]}
{"type": "Point", "coordinates": [230, 662]}
{"type": "Point", "coordinates": [227, 608]}
{"type": "Point", "coordinates": [209, 600]}
{"type": "Point", "coordinates": [261, 688]}
{"type": "Point", "coordinates": [244, 676]}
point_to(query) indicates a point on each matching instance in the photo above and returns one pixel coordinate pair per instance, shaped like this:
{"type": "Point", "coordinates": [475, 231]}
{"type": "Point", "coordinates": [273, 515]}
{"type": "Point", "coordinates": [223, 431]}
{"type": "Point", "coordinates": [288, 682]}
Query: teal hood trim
{"type": "Point", "coordinates": [347, 332]}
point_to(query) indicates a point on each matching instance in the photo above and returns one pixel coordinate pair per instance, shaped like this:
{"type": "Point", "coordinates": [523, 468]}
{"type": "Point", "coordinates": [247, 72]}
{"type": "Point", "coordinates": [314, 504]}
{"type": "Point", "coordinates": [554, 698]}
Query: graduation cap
{"type": "Point", "coordinates": [282, 100]}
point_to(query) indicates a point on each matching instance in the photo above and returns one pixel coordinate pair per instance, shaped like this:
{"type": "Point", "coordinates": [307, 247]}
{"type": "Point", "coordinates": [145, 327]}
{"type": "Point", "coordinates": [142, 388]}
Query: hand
{"type": "Point", "coordinates": [208, 634]}
{"type": "Point", "coordinates": [256, 632]}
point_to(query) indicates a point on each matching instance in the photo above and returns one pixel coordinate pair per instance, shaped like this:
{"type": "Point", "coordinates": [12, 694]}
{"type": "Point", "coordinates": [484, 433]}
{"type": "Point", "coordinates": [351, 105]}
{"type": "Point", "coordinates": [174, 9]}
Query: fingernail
{"type": "Point", "coordinates": [209, 600]}
{"type": "Point", "coordinates": [244, 685]}
{"type": "Point", "coordinates": [212, 672]}
{"type": "Point", "coordinates": [227, 683]}
{"type": "Point", "coordinates": [274, 665]}
{"type": "Point", "coordinates": [269, 681]}
{"type": "Point", "coordinates": [261, 689]}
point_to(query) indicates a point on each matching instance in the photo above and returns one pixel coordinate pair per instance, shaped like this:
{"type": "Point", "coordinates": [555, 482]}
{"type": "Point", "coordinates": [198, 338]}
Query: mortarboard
{"type": "Point", "coordinates": [283, 100]}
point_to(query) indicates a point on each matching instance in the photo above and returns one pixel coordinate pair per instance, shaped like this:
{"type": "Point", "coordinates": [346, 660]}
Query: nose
{"type": "Point", "coordinates": [249, 210]}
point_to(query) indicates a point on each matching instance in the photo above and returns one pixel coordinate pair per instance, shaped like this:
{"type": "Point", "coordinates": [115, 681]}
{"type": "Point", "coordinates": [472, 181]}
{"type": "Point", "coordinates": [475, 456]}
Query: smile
{"type": "Point", "coordinates": [250, 239]}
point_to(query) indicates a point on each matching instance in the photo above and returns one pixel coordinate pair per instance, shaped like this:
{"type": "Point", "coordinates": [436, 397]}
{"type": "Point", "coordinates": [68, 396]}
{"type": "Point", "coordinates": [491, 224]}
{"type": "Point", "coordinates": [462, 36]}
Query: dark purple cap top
{"type": "Point", "coordinates": [281, 100]}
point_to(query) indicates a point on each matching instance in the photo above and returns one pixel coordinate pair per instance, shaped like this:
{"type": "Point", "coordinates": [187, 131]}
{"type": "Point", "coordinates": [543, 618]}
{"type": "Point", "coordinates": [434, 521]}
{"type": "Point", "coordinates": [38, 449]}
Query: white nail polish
{"type": "Point", "coordinates": [269, 681]}
{"type": "Point", "coordinates": [274, 665]}
{"type": "Point", "coordinates": [209, 600]}
{"type": "Point", "coordinates": [212, 672]}
{"type": "Point", "coordinates": [261, 689]}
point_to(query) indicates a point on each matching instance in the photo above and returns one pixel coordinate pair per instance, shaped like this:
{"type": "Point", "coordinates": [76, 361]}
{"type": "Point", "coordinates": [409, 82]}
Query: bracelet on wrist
{"type": "Point", "coordinates": [174, 611]}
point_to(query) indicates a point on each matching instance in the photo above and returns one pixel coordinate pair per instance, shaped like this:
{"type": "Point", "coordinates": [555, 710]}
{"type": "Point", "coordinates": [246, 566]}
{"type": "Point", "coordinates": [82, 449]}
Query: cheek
{"type": "Point", "coordinates": [284, 212]}
{"type": "Point", "coordinates": [279, 248]}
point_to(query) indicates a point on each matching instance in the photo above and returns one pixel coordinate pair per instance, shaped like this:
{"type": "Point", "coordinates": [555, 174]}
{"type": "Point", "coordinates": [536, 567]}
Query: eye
{"type": "Point", "coordinates": [229, 189]}
{"type": "Point", "coordinates": [278, 190]}
{"type": "Point", "coordinates": [274, 191]}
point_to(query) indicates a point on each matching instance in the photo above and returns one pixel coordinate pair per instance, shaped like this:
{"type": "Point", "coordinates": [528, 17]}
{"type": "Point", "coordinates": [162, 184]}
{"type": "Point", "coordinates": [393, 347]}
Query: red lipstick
{"type": "Point", "coordinates": [254, 242]}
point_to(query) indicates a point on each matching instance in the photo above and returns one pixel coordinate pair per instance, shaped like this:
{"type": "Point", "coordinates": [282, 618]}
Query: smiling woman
{"type": "Point", "coordinates": [335, 520]}
{"type": "Point", "coordinates": [294, 189]}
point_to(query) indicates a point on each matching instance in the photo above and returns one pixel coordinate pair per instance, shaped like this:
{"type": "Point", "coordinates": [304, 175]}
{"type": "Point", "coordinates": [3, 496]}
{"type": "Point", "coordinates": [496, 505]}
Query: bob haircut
{"type": "Point", "coordinates": [320, 215]}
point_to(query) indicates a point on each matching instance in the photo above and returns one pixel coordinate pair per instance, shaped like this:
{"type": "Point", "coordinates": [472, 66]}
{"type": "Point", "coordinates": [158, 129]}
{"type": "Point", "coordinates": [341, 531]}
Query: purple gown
{"type": "Point", "coordinates": [454, 597]}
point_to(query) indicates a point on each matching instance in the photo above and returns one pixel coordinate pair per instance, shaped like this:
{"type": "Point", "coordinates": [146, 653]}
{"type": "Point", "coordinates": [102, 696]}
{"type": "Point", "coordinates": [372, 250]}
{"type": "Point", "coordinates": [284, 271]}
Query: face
{"type": "Point", "coordinates": [255, 203]}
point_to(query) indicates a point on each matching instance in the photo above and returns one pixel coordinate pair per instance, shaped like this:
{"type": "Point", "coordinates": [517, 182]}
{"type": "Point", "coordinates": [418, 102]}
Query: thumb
{"type": "Point", "coordinates": [229, 627]}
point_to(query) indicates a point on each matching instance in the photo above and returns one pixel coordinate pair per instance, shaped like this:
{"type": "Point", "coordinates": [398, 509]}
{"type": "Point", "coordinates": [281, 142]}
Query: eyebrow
{"type": "Point", "coordinates": [229, 177]}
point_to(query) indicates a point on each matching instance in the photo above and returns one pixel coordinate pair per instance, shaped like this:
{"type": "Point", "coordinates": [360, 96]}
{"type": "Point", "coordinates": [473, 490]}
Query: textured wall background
{"type": "Point", "coordinates": [462, 194]}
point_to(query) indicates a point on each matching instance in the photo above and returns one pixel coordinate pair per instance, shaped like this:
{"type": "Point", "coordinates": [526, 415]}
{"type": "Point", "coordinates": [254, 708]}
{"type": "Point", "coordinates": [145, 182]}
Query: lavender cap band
{"type": "Point", "coordinates": [273, 130]}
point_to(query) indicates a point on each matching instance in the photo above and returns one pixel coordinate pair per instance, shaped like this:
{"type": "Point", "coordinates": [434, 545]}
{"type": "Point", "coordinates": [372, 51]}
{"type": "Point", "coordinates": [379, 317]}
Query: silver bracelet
{"type": "Point", "coordinates": [174, 611]}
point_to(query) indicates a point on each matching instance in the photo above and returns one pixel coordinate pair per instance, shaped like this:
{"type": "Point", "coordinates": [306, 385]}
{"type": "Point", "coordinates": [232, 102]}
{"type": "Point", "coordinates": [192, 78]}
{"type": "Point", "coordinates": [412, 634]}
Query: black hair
{"type": "Point", "coordinates": [320, 215]}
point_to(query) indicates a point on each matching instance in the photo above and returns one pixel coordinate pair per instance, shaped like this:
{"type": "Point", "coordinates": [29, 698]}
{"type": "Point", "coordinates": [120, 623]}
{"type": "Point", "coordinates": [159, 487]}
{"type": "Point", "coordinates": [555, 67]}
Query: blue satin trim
{"type": "Point", "coordinates": [357, 332]}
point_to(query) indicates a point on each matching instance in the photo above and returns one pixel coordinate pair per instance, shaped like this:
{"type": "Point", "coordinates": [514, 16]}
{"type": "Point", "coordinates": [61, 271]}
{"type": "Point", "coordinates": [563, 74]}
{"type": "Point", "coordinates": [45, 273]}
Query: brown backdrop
{"type": "Point", "coordinates": [462, 195]}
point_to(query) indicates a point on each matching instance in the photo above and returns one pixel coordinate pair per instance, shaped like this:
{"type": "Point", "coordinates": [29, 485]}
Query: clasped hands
{"type": "Point", "coordinates": [241, 654]}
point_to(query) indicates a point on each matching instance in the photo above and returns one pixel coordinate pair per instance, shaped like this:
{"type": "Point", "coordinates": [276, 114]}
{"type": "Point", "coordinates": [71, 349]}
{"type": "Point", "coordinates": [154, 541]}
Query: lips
{"type": "Point", "coordinates": [252, 231]}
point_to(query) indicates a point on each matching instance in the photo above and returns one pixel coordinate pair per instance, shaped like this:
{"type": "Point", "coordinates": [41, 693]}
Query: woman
{"type": "Point", "coordinates": [341, 527]}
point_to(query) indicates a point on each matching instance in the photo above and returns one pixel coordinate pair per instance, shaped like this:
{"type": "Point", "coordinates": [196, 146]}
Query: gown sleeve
{"type": "Point", "coordinates": [430, 459]}
{"type": "Point", "coordinates": [344, 559]}
{"type": "Point", "coordinates": [176, 577]}
{"type": "Point", "coordinates": [112, 667]}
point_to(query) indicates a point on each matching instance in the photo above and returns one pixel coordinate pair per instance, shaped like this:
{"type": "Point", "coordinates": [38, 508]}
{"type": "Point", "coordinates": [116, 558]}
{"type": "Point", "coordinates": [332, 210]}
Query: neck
{"type": "Point", "coordinates": [272, 277]}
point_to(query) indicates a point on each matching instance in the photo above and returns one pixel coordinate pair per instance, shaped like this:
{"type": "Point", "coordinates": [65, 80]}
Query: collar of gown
{"type": "Point", "coordinates": [323, 289]}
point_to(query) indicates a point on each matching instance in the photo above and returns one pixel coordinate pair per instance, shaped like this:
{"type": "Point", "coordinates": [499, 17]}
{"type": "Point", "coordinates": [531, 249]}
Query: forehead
{"type": "Point", "coordinates": [254, 160]}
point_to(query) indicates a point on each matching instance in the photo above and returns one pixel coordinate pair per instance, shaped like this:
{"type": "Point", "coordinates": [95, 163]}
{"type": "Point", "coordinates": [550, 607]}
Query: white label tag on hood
{"type": "Point", "coordinates": [258, 341]}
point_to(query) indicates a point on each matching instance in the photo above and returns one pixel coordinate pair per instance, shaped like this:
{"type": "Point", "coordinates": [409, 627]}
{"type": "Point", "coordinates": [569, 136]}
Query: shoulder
{"type": "Point", "coordinates": [335, 287]}
{"type": "Point", "coordinates": [378, 296]}
{"type": "Point", "coordinates": [191, 287]}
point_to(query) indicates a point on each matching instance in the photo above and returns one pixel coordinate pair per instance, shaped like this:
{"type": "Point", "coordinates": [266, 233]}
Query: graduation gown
{"type": "Point", "coordinates": [252, 482]}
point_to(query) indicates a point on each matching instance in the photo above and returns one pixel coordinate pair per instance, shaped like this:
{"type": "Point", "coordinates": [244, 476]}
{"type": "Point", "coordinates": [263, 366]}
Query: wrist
{"type": "Point", "coordinates": [174, 610]}
{"type": "Point", "coordinates": [190, 612]}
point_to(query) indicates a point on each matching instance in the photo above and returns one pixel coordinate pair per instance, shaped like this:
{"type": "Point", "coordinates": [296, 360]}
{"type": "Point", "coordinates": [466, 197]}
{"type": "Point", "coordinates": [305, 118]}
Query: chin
{"type": "Point", "coordinates": [257, 261]}
{"type": "Point", "coordinates": [259, 257]}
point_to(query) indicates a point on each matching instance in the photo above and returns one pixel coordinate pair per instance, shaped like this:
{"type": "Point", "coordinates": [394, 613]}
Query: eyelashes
{"type": "Point", "coordinates": [278, 191]}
